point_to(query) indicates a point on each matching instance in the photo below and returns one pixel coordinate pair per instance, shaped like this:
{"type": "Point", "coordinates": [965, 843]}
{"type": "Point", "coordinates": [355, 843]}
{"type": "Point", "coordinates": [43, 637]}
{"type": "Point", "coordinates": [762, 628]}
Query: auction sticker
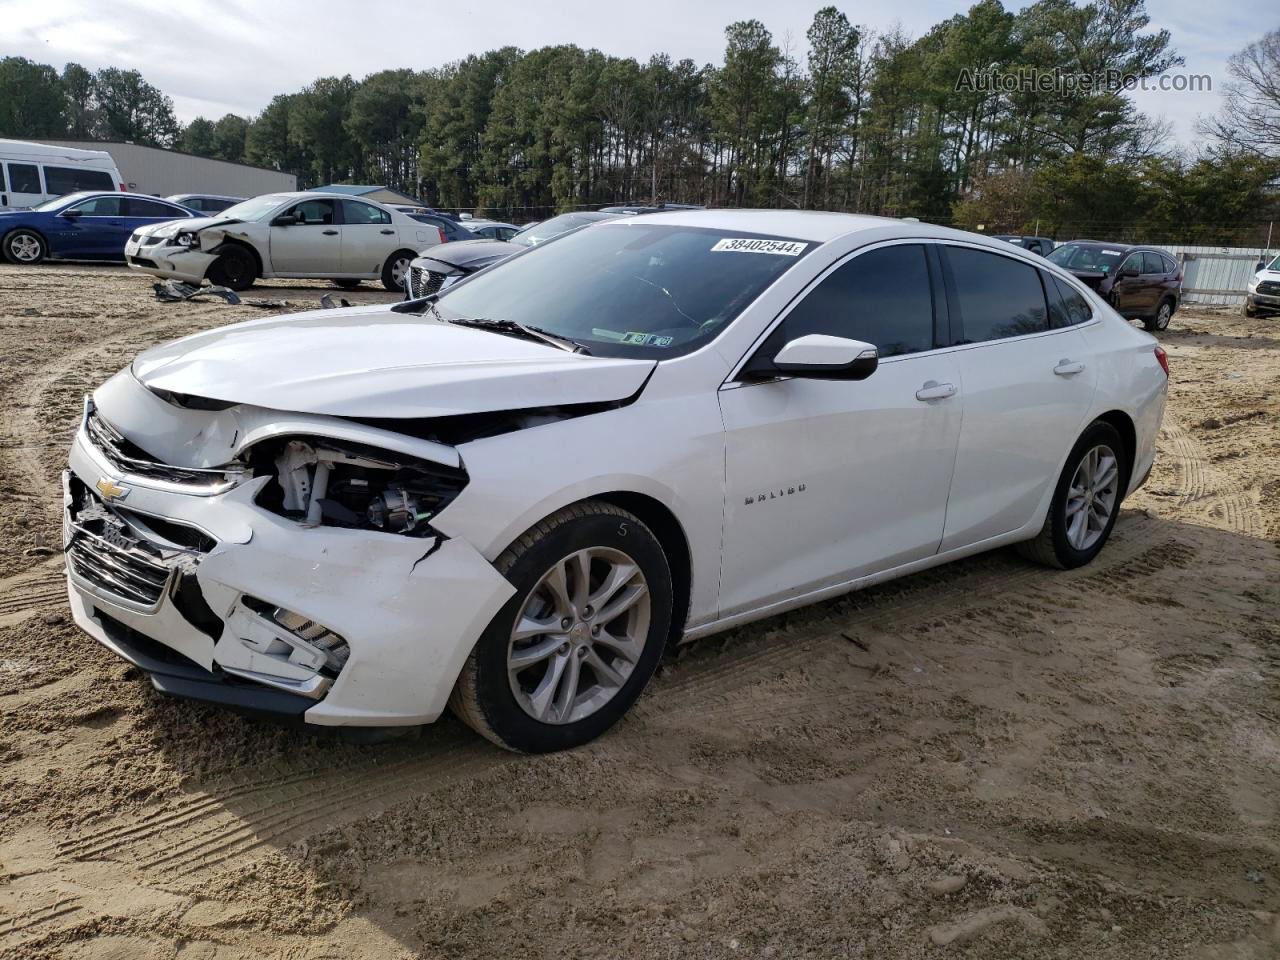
{"type": "Point", "coordinates": [783, 248]}
{"type": "Point", "coordinates": [647, 339]}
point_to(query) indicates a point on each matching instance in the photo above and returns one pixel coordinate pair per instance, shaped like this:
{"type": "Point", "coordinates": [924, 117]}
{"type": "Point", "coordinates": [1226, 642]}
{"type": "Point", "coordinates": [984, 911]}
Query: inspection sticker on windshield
{"type": "Point", "coordinates": [647, 339]}
{"type": "Point", "coordinates": [784, 248]}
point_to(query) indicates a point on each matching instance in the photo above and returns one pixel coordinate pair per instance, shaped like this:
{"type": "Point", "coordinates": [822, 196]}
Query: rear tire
{"type": "Point", "coordinates": [1059, 543]}
{"type": "Point", "coordinates": [24, 247]}
{"type": "Point", "coordinates": [572, 671]}
{"type": "Point", "coordinates": [395, 272]}
{"type": "Point", "coordinates": [1164, 313]}
{"type": "Point", "coordinates": [233, 269]}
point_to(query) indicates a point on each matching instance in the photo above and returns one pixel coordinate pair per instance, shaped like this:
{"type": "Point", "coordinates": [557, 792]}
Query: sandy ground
{"type": "Point", "coordinates": [990, 760]}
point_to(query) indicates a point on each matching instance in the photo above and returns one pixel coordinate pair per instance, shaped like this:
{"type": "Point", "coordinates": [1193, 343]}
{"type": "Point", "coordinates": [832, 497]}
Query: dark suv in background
{"type": "Point", "coordinates": [1142, 283]}
{"type": "Point", "coordinates": [1041, 245]}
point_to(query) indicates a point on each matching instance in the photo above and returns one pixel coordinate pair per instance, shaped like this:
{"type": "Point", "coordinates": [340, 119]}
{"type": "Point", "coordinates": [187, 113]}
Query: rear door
{"type": "Point", "coordinates": [368, 238]}
{"type": "Point", "coordinates": [1028, 384]}
{"type": "Point", "coordinates": [94, 229]}
{"type": "Point", "coordinates": [311, 247]}
{"type": "Point", "coordinates": [143, 212]}
{"type": "Point", "coordinates": [25, 187]}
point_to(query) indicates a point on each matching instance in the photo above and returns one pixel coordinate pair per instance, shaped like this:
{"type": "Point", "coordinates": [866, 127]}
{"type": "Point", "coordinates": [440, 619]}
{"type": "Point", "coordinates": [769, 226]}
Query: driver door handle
{"type": "Point", "coordinates": [386, 232]}
{"type": "Point", "coordinates": [330, 233]}
{"type": "Point", "coordinates": [933, 390]}
{"type": "Point", "coordinates": [1067, 368]}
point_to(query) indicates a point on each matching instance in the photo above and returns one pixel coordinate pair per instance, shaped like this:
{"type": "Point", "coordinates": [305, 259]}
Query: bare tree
{"type": "Point", "coordinates": [1250, 115]}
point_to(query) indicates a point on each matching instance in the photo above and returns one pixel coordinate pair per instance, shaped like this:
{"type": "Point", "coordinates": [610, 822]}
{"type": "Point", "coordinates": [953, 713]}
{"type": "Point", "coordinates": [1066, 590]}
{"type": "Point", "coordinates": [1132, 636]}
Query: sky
{"type": "Point", "coordinates": [234, 55]}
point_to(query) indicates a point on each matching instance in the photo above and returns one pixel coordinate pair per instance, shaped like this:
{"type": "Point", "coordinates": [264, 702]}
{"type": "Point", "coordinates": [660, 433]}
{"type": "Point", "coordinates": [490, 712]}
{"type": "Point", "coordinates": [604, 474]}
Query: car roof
{"type": "Point", "coordinates": [811, 225]}
{"type": "Point", "coordinates": [179, 197]}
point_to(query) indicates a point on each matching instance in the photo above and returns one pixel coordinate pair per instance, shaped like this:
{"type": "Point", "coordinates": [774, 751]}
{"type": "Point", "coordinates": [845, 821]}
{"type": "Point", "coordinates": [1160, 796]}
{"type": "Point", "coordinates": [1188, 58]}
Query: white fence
{"type": "Point", "coordinates": [1217, 276]}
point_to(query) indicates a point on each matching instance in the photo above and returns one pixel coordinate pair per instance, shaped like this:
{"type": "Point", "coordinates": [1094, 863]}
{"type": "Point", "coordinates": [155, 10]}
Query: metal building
{"type": "Point", "coordinates": [161, 172]}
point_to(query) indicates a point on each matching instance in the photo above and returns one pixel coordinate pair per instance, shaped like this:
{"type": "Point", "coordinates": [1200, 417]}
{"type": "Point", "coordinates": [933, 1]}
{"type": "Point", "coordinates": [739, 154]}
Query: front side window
{"type": "Point", "coordinates": [99, 207]}
{"type": "Point", "coordinates": [996, 296]}
{"type": "Point", "coordinates": [1133, 262]}
{"type": "Point", "coordinates": [24, 178]}
{"type": "Point", "coordinates": [882, 297]}
{"type": "Point", "coordinates": [314, 212]}
{"type": "Point", "coordinates": [630, 289]}
{"type": "Point", "coordinates": [355, 212]}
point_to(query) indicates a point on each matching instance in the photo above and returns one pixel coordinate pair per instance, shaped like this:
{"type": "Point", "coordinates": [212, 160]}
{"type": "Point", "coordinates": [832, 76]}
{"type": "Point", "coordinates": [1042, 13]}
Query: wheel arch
{"type": "Point", "coordinates": [249, 247]}
{"type": "Point", "coordinates": [657, 516]}
{"type": "Point", "coordinates": [1128, 431]}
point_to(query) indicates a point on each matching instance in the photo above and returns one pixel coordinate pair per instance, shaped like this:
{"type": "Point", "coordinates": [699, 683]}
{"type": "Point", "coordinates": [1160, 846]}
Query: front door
{"type": "Point", "coordinates": [829, 480]}
{"type": "Point", "coordinates": [95, 229]}
{"type": "Point", "coordinates": [310, 247]}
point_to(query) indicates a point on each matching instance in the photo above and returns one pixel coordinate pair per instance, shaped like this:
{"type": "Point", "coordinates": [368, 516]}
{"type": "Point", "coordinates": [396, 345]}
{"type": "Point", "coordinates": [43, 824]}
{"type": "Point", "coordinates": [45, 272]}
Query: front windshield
{"type": "Point", "coordinates": [57, 203]}
{"type": "Point", "coordinates": [247, 211]}
{"type": "Point", "coordinates": [549, 229]}
{"type": "Point", "coordinates": [1075, 256]}
{"type": "Point", "coordinates": [629, 289]}
{"type": "Point", "coordinates": [1273, 265]}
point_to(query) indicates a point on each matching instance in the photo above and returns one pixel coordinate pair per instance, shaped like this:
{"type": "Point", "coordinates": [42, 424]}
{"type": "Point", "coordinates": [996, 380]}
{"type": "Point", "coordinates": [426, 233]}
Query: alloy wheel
{"type": "Point", "coordinates": [1092, 496]}
{"type": "Point", "coordinates": [579, 635]}
{"type": "Point", "coordinates": [25, 248]}
{"type": "Point", "coordinates": [1163, 316]}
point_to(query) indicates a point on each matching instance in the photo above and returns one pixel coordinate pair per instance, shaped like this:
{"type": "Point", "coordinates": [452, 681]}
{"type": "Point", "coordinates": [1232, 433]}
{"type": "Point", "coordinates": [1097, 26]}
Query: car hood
{"type": "Point", "coordinates": [1271, 276]}
{"type": "Point", "coordinates": [167, 228]}
{"type": "Point", "coordinates": [1091, 278]}
{"type": "Point", "coordinates": [471, 254]}
{"type": "Point", "coordinates": [373, 362]}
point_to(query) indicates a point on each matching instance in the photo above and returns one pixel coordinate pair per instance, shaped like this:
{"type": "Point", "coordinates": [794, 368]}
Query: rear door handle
{"type": "Point", "coordinates": [933, 390]}
{"type": "Point", "coordinates": [386, 232]}
{"type": "Point", "coordinates": [1067, 368]}
{"type": "Point", "coordinates": [331, 233]}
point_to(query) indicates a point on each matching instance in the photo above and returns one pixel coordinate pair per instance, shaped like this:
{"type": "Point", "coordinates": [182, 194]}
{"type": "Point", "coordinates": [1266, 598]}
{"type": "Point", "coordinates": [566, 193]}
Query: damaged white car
{"type": "Point", "coordinates": [510, 497]}
{"type": "Point", "coordinates": [308, 235]}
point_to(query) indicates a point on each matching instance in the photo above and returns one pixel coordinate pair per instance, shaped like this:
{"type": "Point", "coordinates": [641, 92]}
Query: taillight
{"type": "Point", "coordinates": [440, 230]}
{"type": "Point", "coordinates": [1162, 358]}
{"type": "Point", "coordinates": [124, 188]}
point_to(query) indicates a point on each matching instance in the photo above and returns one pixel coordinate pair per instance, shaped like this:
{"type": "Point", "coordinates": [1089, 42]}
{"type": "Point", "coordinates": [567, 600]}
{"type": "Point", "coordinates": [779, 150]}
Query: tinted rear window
{"type": "Point", "coordinates": [997, 296]}
{"type": "Point", "coordinates": [24, 178]}
{"type": "Point", "coordinates": [152, 208]}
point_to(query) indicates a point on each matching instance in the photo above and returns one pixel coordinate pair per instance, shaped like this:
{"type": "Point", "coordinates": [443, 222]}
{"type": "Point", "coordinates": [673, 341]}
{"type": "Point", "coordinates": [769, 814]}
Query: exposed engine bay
{"type": "Point", "coordinates": [321, 482]}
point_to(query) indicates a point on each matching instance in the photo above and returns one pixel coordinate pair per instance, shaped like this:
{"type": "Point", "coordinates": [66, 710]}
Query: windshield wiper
{"type": "Point", "coordinates": [513, 328]}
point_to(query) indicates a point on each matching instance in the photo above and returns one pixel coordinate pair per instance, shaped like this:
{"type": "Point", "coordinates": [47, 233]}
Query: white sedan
{"type": "Point", "coordinates": [510, 497]}
{"type": "Point", "coordinates": [310, 235]}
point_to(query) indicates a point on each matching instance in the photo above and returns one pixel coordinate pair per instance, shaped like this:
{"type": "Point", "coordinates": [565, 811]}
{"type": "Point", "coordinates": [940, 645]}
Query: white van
{"type": "Point", "coordinates": [31, 173]}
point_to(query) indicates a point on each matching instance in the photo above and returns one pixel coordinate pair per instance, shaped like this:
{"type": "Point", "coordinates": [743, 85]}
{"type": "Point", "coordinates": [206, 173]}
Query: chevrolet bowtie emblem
{"type": "Point", "coordinates": [111, 490]}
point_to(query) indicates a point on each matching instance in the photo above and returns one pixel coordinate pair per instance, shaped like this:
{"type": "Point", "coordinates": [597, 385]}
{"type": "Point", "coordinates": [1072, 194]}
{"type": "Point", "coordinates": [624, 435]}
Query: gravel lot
{"type": "Point", "coordinates": [988, 760]}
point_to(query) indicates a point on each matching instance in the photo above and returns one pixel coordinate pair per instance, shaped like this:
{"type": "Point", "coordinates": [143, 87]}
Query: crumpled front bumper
{"type": "Point", "coordinates": [410, 610]}
{"type": "Point", "coordinates": [168, 261]}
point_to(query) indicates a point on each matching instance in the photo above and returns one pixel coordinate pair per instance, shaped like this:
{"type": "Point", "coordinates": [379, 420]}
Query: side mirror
{"type": "Point", "coordinates": [1262, 265]}
{"type": "Point", "coordinates": [72, 214]}
{"type": "Point", "coordinates": [284, 220]}
{"type": "Point", "coordinates": [817, 356]}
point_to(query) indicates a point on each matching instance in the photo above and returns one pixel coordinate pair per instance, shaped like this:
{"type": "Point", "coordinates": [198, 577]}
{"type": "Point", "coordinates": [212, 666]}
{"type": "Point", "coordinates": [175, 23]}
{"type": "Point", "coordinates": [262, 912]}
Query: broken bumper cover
{"type": "Point", "coordinates": [408, 610]}
{"type": "Point", "coordinates": [168, 261]}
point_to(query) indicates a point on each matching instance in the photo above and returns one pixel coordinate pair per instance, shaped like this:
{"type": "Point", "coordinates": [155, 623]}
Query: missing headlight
{"type": "Point", "coordinates": [320, 482]}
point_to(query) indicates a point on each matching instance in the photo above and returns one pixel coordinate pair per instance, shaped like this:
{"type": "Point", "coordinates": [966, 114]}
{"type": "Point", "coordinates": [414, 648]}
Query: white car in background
{"type": "Point", "coordinates": [308, 235]}
{"type": "Point", "coordinates": [511, 496]}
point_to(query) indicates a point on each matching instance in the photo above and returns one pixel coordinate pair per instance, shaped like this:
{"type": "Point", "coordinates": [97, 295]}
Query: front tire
{"type": "Point", "coordinates": [395, 272]}
{"type": "Point", "coordinates": [575, 645]}
{"type": "Point", "coordinates": [1086, 501]}
{"type": "Point", "coordinates": [24, 247]}
{"type": "Point", "coordinates": [233, 269]}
